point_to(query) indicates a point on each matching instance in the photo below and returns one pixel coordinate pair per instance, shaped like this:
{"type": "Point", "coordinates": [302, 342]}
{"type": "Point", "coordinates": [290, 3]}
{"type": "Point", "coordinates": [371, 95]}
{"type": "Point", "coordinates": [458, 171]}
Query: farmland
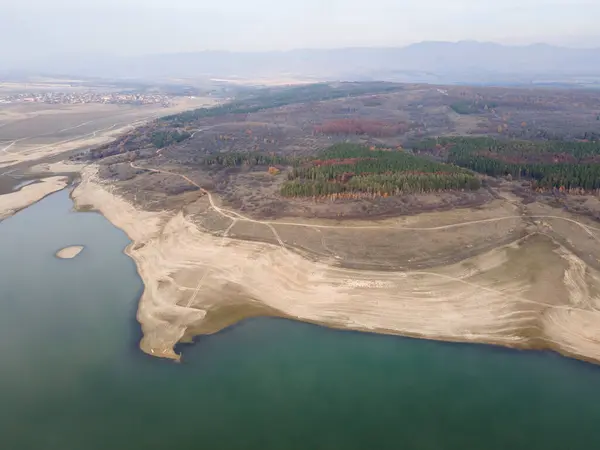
{"type": "Point", "coordinates": [30, 132]}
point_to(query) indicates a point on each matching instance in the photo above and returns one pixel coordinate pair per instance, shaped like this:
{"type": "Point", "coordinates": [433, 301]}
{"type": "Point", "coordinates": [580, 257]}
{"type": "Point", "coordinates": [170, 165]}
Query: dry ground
{"type": "Point", "coordinates": [504, 273]}
{"type": "Point", "coordinates": [31, 134]}
{"type": "Point", "coordinates": [32, 131]}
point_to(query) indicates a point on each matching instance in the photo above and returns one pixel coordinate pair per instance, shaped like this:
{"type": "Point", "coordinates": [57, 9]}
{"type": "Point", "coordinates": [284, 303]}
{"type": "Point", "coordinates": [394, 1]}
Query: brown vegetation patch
{"type": "Point", "coordinates": [362, 126]}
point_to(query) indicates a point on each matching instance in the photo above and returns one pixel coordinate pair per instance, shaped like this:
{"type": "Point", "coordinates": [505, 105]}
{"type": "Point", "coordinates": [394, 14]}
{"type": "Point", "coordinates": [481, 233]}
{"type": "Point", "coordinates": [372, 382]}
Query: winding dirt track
{"type": "Point", "coordinates": [235, 215]}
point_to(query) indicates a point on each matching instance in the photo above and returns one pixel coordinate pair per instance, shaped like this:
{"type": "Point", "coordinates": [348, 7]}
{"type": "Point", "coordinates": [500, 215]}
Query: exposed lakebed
{"type": "Point", "coordinates": [72, 376]}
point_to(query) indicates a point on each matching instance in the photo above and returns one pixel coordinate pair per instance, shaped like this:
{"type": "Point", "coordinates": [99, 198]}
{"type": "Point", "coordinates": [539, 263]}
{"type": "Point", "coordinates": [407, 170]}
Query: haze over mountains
{"type": "Point", "coordinates": [434, 62]}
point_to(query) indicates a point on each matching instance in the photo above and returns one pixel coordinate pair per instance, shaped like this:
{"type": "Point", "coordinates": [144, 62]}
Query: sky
{"type": "Point", "coordinates": [33, 28]}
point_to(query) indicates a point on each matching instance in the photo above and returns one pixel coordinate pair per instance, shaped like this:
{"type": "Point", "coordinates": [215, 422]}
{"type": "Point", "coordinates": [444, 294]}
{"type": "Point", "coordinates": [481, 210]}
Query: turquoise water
{"type": "Point", "coordinates": [72, 377]}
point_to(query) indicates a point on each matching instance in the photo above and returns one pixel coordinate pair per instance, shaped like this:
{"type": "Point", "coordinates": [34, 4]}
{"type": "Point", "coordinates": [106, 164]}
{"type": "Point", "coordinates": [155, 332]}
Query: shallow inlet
{"type": "Point", "coordinates": [18, 186]}
{"type": "Point", "coordinates": [72, 376]}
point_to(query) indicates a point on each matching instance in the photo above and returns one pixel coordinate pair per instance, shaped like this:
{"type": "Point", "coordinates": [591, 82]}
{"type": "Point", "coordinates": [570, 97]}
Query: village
{"type": "Point", "coordinates": [124, 98]}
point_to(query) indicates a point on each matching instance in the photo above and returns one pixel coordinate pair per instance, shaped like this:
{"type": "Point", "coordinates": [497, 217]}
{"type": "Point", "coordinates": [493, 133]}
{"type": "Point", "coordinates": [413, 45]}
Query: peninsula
{"type": "Point", "coordinates": [362, 217]}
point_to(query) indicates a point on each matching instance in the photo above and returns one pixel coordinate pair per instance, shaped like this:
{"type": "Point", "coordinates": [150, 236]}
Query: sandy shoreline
{"type": "Point", "coordinates": [191, 275]}
{"type": "Point", "coordinates": [15, 201]}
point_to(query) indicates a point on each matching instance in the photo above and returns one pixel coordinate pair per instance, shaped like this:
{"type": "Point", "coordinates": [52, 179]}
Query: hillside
{"type": "Point", "coordinates": [361, 149]}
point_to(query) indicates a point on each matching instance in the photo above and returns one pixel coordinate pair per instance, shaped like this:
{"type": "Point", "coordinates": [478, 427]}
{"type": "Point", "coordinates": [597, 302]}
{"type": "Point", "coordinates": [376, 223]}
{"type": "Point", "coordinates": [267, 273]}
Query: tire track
{"type": "Point", "coordinates": [231, 214]}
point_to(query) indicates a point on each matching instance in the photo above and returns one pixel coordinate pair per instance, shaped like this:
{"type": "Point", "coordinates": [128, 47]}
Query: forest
{"type": "Point", "coordinates": [165, 138]}
{"type": "Point", "coordinates": [548, 164]}
{"type": "Point", "coordinates": [471, 107]}
{"type": "Point", "coordinates": [276, 97]}
{"type": "Point", "coordinates": [349, 170]}
{"type": "Point", "coordinates": [354, 169]}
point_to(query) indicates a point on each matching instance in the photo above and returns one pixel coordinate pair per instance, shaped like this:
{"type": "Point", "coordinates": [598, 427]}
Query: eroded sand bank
{"type": "Point", "coordinates": [27, 195]}
{"type": "Point", "coordinates": [531, 293]}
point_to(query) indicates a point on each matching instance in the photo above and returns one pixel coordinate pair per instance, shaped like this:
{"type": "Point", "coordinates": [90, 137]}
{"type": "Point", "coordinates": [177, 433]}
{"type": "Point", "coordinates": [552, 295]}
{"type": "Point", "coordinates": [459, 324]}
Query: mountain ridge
{"type": "Point", "coordinates": [427, 61]}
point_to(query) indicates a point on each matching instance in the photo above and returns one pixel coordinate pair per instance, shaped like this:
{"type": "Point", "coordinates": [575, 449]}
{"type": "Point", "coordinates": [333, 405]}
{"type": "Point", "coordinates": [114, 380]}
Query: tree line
{"type": "Point", "coordinates": [236, 159]}
{"type": "Point", "coordinates": [382, 184]}
{"type": "Point", "coordinates": [352, 168]}
{"type": "Point", "coordinates": [276, 97]}
{"type": "Point", "coordinates": [549, 164]}
{"type": "Point", "coordinates": [165, 138]}
{"type": "Point", "coordinates": [331, 163]}
{"type": "Point", "coordinates": [527, 150]}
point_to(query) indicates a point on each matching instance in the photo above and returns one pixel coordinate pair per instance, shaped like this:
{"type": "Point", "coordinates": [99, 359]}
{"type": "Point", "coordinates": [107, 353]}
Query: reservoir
{"type": "Point", "coordinates": [72, 376]}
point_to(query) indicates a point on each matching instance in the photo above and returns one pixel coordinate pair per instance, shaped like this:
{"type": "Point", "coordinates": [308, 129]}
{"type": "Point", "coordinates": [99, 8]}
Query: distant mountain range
{"type": "Point", "coordinates": [434, 62]}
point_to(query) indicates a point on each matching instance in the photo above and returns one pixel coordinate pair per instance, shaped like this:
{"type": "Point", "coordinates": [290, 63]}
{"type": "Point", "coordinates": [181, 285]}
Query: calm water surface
{"type": "Point", "coordinates": [71, 376]}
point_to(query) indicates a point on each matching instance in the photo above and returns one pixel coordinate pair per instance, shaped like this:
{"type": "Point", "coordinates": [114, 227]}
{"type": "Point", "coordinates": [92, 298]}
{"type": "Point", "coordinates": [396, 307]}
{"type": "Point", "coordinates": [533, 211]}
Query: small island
{"type": "Point", "coordinates": [69, 252]}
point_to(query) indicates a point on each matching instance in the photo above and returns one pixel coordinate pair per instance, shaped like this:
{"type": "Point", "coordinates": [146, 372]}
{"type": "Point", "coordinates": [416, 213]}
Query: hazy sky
{"type": "Point", "coordinates": [34, 27]}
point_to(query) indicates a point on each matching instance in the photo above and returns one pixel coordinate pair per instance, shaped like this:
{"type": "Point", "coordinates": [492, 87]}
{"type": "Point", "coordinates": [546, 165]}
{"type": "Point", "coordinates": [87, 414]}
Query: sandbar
{"type": "Point", "coordinates": [69, 252]}
{"type": "Point", "coordinates": [12, 202]}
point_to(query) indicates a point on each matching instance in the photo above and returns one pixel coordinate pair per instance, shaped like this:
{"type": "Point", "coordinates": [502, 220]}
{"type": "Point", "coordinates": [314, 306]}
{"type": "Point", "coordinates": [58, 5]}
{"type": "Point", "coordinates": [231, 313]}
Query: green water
{"type": "Point", "coordinates": [71, 376]}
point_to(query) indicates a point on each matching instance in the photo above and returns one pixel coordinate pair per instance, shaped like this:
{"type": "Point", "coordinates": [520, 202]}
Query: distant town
{"type": "Point", "coordinates": [88, 97]}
